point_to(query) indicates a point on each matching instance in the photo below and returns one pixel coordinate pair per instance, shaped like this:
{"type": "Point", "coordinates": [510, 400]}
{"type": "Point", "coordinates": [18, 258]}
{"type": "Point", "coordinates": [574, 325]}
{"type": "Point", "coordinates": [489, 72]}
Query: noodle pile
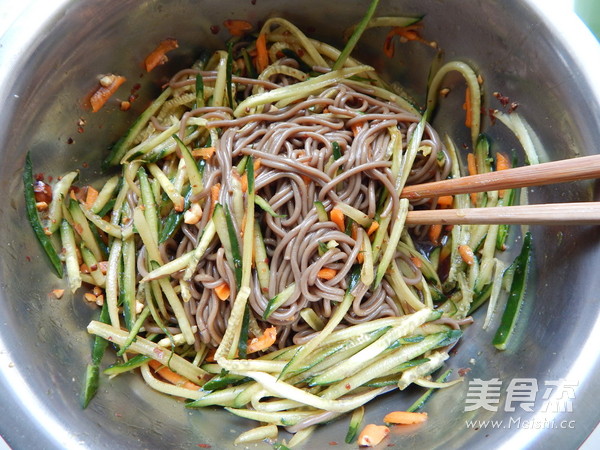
{"type": "Point", "coordinates": [253, 254]}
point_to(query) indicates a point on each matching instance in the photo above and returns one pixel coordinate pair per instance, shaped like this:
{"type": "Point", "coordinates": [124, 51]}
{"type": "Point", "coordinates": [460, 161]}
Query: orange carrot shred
{"type": "Point", "coordinates": [434, 233]}
{"type": "Point", "coordinates": [372, 434]}
{"type": "Point", "coordinates": [408, 33]}
{"type": "Point", "coordinates": [417, 262]}
{"type": "Point", "coordinates": [373, 228]}
{"type": "Point", "coordinates": [262, 56]}
{"type": "Point", "coordinates": [405, 418]}
{"type": "Point", "coordinates": [205, 152]}
{"type": "Point", "coordinates": [90, 196]}
{"type": "Point", "coordinates": [467, 108]}
{"type": "Point", "coordinates": [502, 163]}
{"type": "Point", "coordinates": [172, 377]}
{"type": "Point", "coordinates": [237, 27]}
{"type": "Point", "coordinates": [109, 85]}
{"type": "Point", "coordinates": [466, 253]}
{"type": "Point", "coordinates": [445, 201]}
{"type": "Point", "coordinates": [360, 258]}
{"type": "Point", "coordinates": [337, 217]}
{"type": "Point", "coordinates": [158, 55]}
{"type": "Point", "coordinates": [356, 128]}
{"type": "Point", "coordinates": [223, 291]}
{"type": "Point", "coordinates": [244, 182]}
{"type": "Point", "coordinates": [472, 167]}
{"type": "Point", "coordinates": [326, 273]}
{"type": "Point", "coordinates": [262, 342]}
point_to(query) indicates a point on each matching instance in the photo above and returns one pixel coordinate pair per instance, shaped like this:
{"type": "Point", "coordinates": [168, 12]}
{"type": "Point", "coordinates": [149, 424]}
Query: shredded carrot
{"type": "Point", "coordinates": [262, 57]}
{"type": "Point", "coordinates": [373, 228]}
{"type": "Point", "coordinates": [244, 182]}
{"type": "Point", "coordinates": [158, 55]}
{"type": "Point", "coordinates": [90, 196]}
{"type": "Point", "coordinates": [405, 417]}
{"type": "Point", "coordinates": [214, 197]}
{"type": "Point", "coordinates": [445, 201]}
{"type": "Point", "coordinates": [326, 273]}
{"type": "Point", "coordinates": [360, 257]}
{"type": "Point", "coordinates": [467, 108]}
{"type": "Point", "coordinates": [210, 356]}
{"type": "Point", "coordinates": [257, 165]}
{"type": "Point", "coordinates": [262, 342]}
{"type": "Point", "coordinates": [223, 291]}
{"type": "Point", "coordinates": [356, 128]}
{"type": "Point", "coordinates": [237, 27]}
{"type": "Point", "coordinates": [172, 377]}
{"type": "Point", "coordinates": [472, 167]}
{"type": "Point", "coordinates": [372, 434]}
{"type": "Point", "coordinates": [502, 163]}
{"type": "Point", "coordinates": [205, 152]}
{"type": "Point", "coordinates": [417, 262]}
{"type": "Point", "coordinates": [337, 217]}
{"type": "Point", "coordinates": [466, 253]}
{"type": "Point", "coordinates": [408, 33]}
{"type": "Point", "coordinates": [435, 231]}
{"type": "Point", "coordinates": [108, 86]}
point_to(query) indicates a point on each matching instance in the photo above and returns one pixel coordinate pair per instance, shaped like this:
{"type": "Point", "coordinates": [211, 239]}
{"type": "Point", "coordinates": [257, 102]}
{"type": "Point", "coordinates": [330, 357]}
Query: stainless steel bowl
{"type": "Point", "coordinates": [51, 57]}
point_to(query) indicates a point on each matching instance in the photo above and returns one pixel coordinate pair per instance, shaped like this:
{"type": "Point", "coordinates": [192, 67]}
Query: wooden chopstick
{"type": "Point", "coordinates": [549, 214]}
{"type": "Point", "coordinates": [562, 171]}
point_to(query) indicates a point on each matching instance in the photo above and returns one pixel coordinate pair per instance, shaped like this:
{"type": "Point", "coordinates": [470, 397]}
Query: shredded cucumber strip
{"type": "Point", "coordinates": [304, 88]}
{"type": "Point", "coordinates": [148, 348]}
{"type": "Point", "coordinates": [61, 192]}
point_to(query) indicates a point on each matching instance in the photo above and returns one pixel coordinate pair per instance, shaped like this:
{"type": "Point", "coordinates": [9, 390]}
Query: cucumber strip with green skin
{"type": "Point", "coordinates": [134, 331]}
{"type": "Point", "coordinates": [384, 365]}
{"type": "Point", "coordinates": [390, 380]}
{"type": "Point", "coordinates": [222, 397]}
{"type": "Point", "coordinates": [394, 238]}
{"type": "Point", "coordinates": [360, 359]}
{"type": "Point", "coordinates": [148, 201]}
{"type": "Point", "coordinates": [81, 225]}
{"type": "Point", "coordinates": [354, 426]}
{"type": "Point", "coordinates": [131, 364]}
{"type": "Point", "coordinates": [122, 145]}
{"type": "Point", "coordinates": [199, 91]}
{"type": "Point", "coordinates": [67, 237]}
{"type": "Point", "coordinates": [301, 64]}
{"type": "Point", "coordinates": [92, 373]}
{"type": "Point", "coordinates": [321, 212]}
{"type": "Point", "coordinates": [261, 259]}
{"type": "Point", "coordinates": [418, 404]}
{"type": "Point", "coordinates": [105, 194]}
{"type": "Point", "coordinates": [172, 222]}
{"type": "Point", "coordinates": [515, 296]}
{"type": "Point", "coordinates": [100, 223]}
{"type": "Point", "coordinates": [278, 300]}
{"type": "Point", "coordinates": [266, 207]}
{"type": "Point", "coordinates": [221, 229]}
{"type": "Point", "coordinates": [228, 73]}
{"type": "Point", "coordinates": [480, 298]}
{"type": "Point", "coordinates": [34, 219]}
{"type": "Point", "coordinates": [248, 64]}
{"type": "Point", "coordinates": [503, 229]}
{"type": "Point", "coordinates": [314, 343]}
{"type": "Point", "coordinates": [356, 34]}
{"type": "Point", "coordinates": [243, 341]}
{"type": "Point", "coordinates": [235, 248]}
{"type": "Point", "coordinates": [92, 263]}
{"type": "Point", "coordinates": [194, 175]}
{"type": "Point", "coordinates": [221, 382]}
{"type": "Point", "coordinates": [60, 193]}
{"type": "Point", "coordinates": [129, 281]}
{"type": "Point", "coordinates": [333, 355]}
{"type": "Point", "coordinates": [335, 148]}
{"type": "Point", "coordinates": [108, 207]}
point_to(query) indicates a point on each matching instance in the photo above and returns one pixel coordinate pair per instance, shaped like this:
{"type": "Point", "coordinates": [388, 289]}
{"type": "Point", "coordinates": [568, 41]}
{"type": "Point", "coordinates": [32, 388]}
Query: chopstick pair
{"type": "Point", "coordinates": [563, 171]}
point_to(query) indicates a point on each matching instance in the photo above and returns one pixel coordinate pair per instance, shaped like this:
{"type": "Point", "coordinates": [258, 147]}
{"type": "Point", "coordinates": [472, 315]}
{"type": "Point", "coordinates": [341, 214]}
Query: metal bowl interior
{"type": "Point", "coordinates": [52, 57]}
